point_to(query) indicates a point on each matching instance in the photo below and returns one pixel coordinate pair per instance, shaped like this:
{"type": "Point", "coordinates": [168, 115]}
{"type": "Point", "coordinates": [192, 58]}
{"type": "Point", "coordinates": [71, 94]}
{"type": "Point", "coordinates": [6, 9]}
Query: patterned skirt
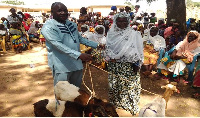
{"type": "Point", "coordinates": [98, 56]}
{"type": "Point", "coordinates": [22, 41]}
{"type": "Point", "coordinates": [124, 86]}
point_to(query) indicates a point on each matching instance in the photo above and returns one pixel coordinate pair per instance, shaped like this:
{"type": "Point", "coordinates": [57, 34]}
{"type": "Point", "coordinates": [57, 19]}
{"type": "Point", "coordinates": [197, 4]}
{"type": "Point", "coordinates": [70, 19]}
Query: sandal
{"type": "Point", "coordinates": [196, 95]}
{"type": "Point", "coordinates": [186, 82]}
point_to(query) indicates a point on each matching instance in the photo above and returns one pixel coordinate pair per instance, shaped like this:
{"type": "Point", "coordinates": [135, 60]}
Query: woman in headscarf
{"type": "Point", "coordinates": [124, 53]}
{"type": "Point", "coordinates": [33, 30]}
{"type": "Point", "coordinates": [152, 48]}
{"type": "Point", "coordinates": [18, 36]}
{"type": "Point", "coordinates": [85, 32]}
{"type": "Point", "coordinates": [27, 21]}
{"type": "Point", "coordinates": [99, 37]}
{"type": "Point", "coordinates": [182, 55]}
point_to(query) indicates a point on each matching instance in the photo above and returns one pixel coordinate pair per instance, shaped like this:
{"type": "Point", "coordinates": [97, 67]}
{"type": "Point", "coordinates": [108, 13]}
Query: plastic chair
{"type": "Point", "coordinates": [3, 42]}
{"type": "Point", "coordinates": [189, 66]}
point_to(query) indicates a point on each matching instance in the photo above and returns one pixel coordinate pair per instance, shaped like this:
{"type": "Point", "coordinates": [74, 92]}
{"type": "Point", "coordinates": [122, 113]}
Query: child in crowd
{"type": "Point", "coordinates": [153, 18]}
{"type": "Point", "coordinates": [145, 20]}
{"type": "Point", "coordinates": [175, 39]}
{"type": "Point", "coordinates": [41, 37]}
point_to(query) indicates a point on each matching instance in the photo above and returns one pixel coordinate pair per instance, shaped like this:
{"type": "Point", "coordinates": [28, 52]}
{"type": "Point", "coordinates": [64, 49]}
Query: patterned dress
{"type": "Point", "coordinates": [149, 58]}
{"type": "Point", "coordinates": [18, 39]}
{"type": "Point", "coordinates": [124, 86]}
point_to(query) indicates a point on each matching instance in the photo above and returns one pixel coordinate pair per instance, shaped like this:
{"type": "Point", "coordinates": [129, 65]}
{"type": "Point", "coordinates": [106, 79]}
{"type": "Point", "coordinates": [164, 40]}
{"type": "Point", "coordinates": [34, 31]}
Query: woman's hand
{"type": "Point", "coordinates": [153, 51]}
{"type": "Point", "coordinates": [101, 46]}
{"type": "Point", "coordinates": [135, 68]}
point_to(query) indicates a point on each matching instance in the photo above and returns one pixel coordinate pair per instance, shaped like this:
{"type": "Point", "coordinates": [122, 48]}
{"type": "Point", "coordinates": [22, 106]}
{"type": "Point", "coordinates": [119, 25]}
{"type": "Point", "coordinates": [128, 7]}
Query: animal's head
{"type": "Point", "coordinates": [93, 110]}
{"type": "Point", "coordinates": [109, 108]}
{"type": "Point", "coordinates": [171, 87]}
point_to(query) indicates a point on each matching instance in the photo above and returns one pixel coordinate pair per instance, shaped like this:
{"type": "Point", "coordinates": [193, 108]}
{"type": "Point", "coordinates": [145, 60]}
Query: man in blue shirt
{"type": "Point", "coordinates": [63, 46]}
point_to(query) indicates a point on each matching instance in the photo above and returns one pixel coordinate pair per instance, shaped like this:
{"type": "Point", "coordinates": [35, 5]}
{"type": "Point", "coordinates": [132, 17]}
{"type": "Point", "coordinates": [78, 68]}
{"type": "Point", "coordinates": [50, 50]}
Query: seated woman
{"type": "Point", "coordinates": [19, 41]}
{"type": "Point", "coordinates": [183, 54]}
{"type": "Point", "coordinates": [99, 37]}
{"type": "Point", "coordinates": [85, 32]}
{"type": "Point", "coordinates": [152, 47]}
{"type": "Point", "coordinates": [32, 32]}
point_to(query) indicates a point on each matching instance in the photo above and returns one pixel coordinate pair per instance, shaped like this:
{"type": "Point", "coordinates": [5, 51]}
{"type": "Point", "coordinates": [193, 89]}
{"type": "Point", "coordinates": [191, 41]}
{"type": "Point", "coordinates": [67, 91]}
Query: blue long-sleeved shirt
{"type": "Point", "coordinates": [63, 45]}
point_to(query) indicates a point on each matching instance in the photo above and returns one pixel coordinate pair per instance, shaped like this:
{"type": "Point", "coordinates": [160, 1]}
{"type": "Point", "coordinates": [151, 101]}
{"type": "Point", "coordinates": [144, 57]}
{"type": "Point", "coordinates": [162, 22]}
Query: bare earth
{"type": "Point", "coordinates": [21, 86]}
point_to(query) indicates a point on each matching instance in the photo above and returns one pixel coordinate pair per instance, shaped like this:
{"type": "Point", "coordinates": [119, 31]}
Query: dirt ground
{"type": "Point", "coordinates": [25, 78]}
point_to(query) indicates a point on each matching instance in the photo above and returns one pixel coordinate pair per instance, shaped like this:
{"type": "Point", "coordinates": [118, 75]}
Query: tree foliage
{"type": "Point", "coordinates": [190, 3]}
{"type": "Point", "coordinates": [130, 5]}
{"type": "Point", "coordinates": [197, 4]}
{"type": "Point", "coordinates": [13, 2]}
{"type": "Point", "coordinates": [148, 1]}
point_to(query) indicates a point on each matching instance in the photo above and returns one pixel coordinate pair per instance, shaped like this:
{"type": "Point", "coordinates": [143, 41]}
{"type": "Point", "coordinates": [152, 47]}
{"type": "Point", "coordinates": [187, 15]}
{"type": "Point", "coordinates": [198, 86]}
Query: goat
{"type": "Point", "coordinates": [159, 104]}
{"type": "Point", "coordinates": [47, 108]}
{"type": "Point", "coordinates": [78, 97]}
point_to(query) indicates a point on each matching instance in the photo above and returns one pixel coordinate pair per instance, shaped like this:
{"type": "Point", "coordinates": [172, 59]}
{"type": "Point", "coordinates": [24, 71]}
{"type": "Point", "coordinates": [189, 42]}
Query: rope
{"type": "Point", "coordinates": [91, 92]}
{"type": "Point", "coordinates": [123, 79]}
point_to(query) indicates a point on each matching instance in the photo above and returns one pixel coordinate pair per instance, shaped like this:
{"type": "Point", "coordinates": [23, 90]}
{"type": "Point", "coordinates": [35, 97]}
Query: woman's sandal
{"type": "Point", "coordinates": [184, 81]}
{"type": "Point", "coordinates": [196, 95]}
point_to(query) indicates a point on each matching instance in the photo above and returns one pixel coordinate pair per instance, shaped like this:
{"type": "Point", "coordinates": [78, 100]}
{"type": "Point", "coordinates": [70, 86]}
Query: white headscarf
{"type": "Point", "coordinates": [157, 41]}
{"type": "Point", "coordinates": [99, 38]}
{"type": "Point", "coordinates": [87, 33]}
{"type": "Point", "coordinates": [124, 45]}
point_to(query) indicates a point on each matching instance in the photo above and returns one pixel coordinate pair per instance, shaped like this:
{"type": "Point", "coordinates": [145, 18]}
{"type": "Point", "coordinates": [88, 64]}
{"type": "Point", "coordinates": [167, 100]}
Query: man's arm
{"type": "Point", "coordinates": [52, 36]}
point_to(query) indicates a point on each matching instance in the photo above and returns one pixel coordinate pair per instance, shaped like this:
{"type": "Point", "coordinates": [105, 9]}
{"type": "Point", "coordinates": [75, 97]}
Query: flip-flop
{"type": "Point", "coordinates": [186, 82]}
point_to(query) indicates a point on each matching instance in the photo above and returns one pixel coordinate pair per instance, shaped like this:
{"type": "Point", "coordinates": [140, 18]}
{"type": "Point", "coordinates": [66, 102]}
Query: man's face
{"type": "Point", "coordinates": [60, 13]}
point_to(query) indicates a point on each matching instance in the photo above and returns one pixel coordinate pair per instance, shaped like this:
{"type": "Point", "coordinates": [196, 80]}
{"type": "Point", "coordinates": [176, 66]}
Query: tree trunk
{"type": "Point", "coordinates": [176, 9]}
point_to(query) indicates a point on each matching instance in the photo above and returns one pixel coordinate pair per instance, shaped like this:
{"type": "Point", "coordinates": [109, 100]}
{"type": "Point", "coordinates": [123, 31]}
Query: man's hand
{"type": "Point", "coordinates": [85, 57]}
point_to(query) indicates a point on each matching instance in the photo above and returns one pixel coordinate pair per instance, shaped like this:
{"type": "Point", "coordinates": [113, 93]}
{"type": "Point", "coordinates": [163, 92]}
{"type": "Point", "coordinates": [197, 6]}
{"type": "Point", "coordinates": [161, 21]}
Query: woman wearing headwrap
{"type": "Point", "coordinates": [85, 32]}
{"type": "Point", "coordinates": [27, 21]}
{"type": "Point", "coordinates": [182, 55]}
{"type": "Point", "coordinates": [124, 53]}
{"type": "Point", "coordinates": [33, 30]}
{"type": "Point", "coordinates": [99, 37]}
{"type": "Point", "coordinates": [152, 47]}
